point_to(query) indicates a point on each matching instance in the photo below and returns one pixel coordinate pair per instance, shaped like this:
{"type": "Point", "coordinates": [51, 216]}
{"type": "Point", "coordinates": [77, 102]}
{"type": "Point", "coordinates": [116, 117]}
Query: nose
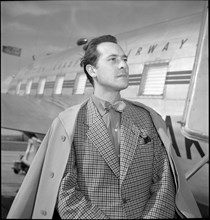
{"type": "Point", "coordinates": [123, 64]}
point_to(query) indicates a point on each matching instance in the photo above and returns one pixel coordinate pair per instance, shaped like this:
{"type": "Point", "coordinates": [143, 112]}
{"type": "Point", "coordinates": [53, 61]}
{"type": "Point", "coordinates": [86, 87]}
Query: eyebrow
{"type": "Point", "coordinates": [115, 55]}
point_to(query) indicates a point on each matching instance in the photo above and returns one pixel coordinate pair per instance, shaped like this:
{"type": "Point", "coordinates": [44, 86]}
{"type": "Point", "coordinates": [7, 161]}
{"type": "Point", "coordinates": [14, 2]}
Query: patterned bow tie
{"type": "Point", "coordinates": [117, 106]}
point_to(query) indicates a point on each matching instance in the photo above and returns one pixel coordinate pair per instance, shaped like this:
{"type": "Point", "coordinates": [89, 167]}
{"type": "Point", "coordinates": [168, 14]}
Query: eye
{"type": "Point", "coordinates": [113, 59]}
{"type": "Point", "coordinates": [125, 59]}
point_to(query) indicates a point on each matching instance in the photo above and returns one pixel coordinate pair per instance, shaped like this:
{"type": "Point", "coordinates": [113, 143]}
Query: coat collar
{"type": "Point", "coordinates": [129, 135]}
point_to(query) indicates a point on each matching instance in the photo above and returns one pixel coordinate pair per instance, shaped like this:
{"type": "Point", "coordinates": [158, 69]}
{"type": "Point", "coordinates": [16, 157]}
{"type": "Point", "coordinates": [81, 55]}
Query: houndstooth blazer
{"type": "Point", "coordinates": [96, 186]}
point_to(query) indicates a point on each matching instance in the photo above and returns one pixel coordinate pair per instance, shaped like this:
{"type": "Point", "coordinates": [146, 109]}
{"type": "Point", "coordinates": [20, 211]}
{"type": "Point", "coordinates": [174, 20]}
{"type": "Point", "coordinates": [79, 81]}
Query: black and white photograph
{"type": "Point", "coordinates": [104, 109]}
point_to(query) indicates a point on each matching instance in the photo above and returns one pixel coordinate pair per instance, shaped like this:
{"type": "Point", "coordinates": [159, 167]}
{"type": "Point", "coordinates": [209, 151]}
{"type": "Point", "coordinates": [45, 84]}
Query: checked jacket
{"type": "Point", "coordinates": [96, 186]}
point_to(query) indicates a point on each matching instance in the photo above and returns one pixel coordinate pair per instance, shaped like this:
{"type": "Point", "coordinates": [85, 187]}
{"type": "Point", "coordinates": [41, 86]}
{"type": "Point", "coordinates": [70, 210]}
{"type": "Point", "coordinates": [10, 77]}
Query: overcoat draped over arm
{"type": "Point", "coordinates": [37, 195]}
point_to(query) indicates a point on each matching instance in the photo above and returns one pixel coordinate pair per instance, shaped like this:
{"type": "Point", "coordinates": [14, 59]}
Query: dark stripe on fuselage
{"type": "Point", "coordinates": [176, 77]}
{"type": "Point", "coordinates": [68, 83]}
{"type": "Point", "coordinates": [49, 85]}
{"type": "Point", "coordinates": [172, 73]}
{"type": "Point", "coordinates": [177, 82]}
{"type": "Point", "coordinates": [34, 86]}
{"type": "Point", "coordinates": [23, 86]}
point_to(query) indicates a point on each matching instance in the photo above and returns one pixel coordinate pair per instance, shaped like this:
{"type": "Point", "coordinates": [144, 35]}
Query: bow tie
{"type": "Point", "coordinates": [117, 106]}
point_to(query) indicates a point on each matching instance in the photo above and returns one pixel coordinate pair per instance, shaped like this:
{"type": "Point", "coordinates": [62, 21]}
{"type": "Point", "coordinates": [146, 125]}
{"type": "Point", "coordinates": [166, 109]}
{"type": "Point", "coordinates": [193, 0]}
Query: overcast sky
{"type": "Point", "coordinates": [39, 27]}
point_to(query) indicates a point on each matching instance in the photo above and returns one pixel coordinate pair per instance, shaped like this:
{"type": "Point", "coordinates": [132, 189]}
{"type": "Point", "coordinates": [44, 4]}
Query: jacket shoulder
{"type": "Point", "coordinates": [143, 106]}
{"type": "Point", "coordinates": [155, 116]}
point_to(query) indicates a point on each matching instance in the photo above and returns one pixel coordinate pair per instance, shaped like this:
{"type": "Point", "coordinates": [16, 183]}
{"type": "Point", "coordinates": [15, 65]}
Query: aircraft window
{"type": "Point", "coordinates": [18, 88]}
{"type": "Point", "coordinates": [23, 86]}
{"type": "Point", "coordinates": [76, 62]}
{"type": "Point", "coordinates": [41, 86]}
{"type": "Point", "coordinates": [59, 85]}
{"type": "Point", "coordinates": [54, 67]}
{"type": "Point", "coordinates": [153, 79]}
{"type": "Point", "coordinates": [28, 87]}
{"type": "Point", "coordinates": [12, 87]}
{"type": "Point", "coordinates": [80, 82]}
{"type": "Point", "coordinates": [64, 65]}
{"type": "Point", "coordinates": [70, 62]}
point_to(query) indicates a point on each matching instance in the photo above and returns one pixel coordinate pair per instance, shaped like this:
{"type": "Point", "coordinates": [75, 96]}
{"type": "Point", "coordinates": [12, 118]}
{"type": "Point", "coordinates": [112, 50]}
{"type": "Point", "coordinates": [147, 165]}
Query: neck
{"type": "Point", "coordinates": [109, 96]}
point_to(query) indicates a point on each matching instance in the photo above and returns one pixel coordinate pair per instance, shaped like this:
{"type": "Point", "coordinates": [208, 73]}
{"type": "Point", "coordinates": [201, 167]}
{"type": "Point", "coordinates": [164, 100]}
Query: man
{"type": "Point", "coordinates": [107, 158]}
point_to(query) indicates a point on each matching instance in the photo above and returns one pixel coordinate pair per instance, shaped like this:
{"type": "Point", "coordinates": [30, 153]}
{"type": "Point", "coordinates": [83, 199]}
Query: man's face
{"type": "Point", "coordinates": [111, 68]}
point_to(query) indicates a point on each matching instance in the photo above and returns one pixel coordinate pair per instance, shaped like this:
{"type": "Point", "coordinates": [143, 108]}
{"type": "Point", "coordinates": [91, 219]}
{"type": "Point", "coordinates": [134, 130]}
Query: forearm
{"type": "Point", "coordinates": [76, 206]}
{"type": "Point", "coordinates": [71, 202]}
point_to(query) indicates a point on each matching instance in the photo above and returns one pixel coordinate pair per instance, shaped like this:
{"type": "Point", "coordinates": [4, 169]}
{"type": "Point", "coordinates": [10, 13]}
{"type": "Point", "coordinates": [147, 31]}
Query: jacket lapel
{"type": "Point", "coordinates": [129, 135]}
{"type": "Point", "coordinates": [98, 135]}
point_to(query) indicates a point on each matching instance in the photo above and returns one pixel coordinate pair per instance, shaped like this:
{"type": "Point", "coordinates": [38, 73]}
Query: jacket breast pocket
{"type": "Point", "coordinates": [143, 160]}
{"type": "Point", "coordinates": [145, 150]}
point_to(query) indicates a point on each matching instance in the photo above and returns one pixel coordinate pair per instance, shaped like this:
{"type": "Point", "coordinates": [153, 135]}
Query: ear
{"type": "Point", "coordinates": [91, 70]}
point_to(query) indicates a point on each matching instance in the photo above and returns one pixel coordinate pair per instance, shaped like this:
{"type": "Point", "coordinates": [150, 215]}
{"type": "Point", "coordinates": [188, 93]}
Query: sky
{"type": "Point", "coordinates": [41, 27]}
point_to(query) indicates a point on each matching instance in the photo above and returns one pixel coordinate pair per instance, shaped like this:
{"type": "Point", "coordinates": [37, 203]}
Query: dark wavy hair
{"type": "Point", "coordinates": [91, 54]}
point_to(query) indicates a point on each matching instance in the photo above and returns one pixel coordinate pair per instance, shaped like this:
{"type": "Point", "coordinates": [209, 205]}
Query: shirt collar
{"type": "Point", "coordinates": [100, 104]}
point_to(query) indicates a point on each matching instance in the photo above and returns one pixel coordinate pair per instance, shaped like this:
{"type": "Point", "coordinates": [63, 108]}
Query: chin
{"type": "Point", "coordinates": [122, 86]}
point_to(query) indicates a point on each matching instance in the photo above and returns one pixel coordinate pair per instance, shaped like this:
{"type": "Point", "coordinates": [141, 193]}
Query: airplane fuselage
{"type": "Point", "coordinates": [160, 58]}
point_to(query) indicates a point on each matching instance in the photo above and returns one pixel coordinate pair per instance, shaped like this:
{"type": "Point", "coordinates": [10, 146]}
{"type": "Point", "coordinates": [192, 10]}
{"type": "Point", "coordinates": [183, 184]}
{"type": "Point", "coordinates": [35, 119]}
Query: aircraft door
{"type": "Point", "coordinates": [196, 113]}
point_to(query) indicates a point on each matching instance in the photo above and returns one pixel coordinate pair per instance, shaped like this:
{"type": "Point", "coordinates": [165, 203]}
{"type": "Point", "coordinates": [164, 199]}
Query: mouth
{"type": "Point", "coordinates": [123, 75]}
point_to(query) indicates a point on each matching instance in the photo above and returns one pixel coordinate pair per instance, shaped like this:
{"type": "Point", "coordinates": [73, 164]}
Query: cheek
{"type": "Point", "coordinates": [106, 78]}
{"type": "Point", "coordinates": [106, 74]}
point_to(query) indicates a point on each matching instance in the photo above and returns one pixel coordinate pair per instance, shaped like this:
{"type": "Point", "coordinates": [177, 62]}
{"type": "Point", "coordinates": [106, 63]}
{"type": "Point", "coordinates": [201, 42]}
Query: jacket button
{"type": "Point", "coordinates": [43, 212]}
{"type": "Point", "coordinates": [63, 138]}
{"type": "Point", "coordinates": [51, 174]}
{"type": "Point", "coordinates": [124, 201]}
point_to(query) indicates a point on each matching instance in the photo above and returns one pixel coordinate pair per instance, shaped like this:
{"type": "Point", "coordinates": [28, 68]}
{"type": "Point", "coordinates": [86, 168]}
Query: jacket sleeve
{"type": "Point", "coordinates": [71, 203]}
{"type": "Point", "coordinates": [162, 201]}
